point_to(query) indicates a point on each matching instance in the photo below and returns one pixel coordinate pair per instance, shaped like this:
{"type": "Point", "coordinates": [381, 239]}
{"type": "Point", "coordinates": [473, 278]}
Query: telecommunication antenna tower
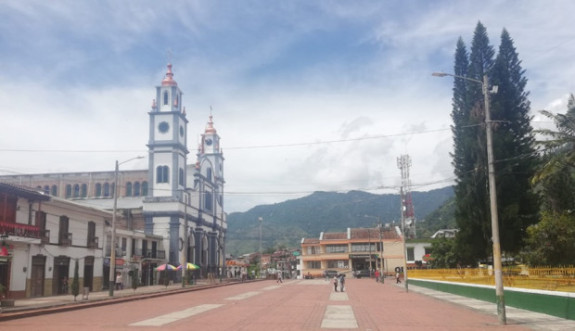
{"type": "Point", "coordinates": [407, 213]}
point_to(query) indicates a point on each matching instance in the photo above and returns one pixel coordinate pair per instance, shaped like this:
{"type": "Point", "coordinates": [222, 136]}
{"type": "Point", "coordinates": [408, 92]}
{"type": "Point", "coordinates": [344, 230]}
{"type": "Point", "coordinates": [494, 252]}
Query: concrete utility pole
{"type": "Point", "coordinates": [497, 267]}
{"type": "Point", "coordinates": [404, 163]}
{"type": "Point", "coordinates": [112, 273]}
{"type": "Point", "coordinates": [260, 219]}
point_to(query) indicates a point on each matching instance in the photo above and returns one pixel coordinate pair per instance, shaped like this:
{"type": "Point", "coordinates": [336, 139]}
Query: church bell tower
{"type": "Point", "coordinates": [167, 145]}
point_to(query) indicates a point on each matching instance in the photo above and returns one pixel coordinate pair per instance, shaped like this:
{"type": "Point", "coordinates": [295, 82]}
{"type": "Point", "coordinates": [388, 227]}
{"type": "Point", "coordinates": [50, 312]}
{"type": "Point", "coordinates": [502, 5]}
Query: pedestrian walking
{"type": "Point", "coordinates": [279, 280]}
{"type": "Point", "coordinates": [377, 276]}
{"type": "Point", "coordinates": [342, 282]}
{"type": "Point", "coordinates": [335, 283]}
{"type": "Point", "coordinates": [397, 280]}
{"type": "Point", "coordinates": [119, 285]}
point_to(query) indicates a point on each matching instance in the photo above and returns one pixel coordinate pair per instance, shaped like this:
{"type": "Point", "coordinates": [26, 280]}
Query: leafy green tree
{"type": "Point", "coordinates": [513, 147]}
{"type": "Point", "coordinates": [75, 287]}
{"type": "Point", "coordinates": [444, 254]}
{"type": "Point", "coordinates": [555, 178]}
{"type": "Point", "coordinates": [551, 242]}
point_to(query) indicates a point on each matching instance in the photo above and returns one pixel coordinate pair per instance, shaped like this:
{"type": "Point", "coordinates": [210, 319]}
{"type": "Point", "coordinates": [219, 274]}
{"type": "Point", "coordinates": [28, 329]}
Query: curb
{"type": "Point", "coordinates": [67, 306]}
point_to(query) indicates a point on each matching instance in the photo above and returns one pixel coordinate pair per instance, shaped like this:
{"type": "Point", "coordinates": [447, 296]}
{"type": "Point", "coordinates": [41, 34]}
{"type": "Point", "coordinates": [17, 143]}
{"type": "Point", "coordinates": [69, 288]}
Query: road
{"type": "Point", "coordinates": [266, 305]}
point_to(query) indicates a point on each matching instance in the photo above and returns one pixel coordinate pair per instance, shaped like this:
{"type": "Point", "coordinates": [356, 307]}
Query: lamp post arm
{"type": "Point", "coordinates": [443, 74]}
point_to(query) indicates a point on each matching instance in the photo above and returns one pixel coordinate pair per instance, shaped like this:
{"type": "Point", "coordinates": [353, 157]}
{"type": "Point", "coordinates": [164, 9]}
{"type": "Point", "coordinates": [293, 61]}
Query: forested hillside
{"type": "Point", "coordinates": [286, 223]}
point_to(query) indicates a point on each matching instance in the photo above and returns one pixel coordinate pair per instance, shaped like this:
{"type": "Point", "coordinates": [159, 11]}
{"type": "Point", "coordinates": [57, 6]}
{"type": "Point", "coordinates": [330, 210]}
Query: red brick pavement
{"type": "Point", "coordinates": [293, 305]}
{"type": "Point", "coordinates": [390, 307]}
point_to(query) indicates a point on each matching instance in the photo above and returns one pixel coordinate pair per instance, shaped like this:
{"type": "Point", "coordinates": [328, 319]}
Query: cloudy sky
{"type": "Point", "coordinates": [306, 95]}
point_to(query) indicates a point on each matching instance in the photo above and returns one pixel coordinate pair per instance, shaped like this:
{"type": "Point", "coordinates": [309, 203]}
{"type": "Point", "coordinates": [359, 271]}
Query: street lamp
{"type": "Point", "coordinates": [369, 242]}
{"type": "Point", "coordinates": [260, 219]}
{"type": "Point", "coordinates": [380, 241]}
{"type": "Point", "coordinates": [111, 280]}
{"type": "Point", "coordinates": [381, 264]}
{"type": "Point", "coordinates": [405, 282]}
{"type": "Point", "coordinates": [492, 193]}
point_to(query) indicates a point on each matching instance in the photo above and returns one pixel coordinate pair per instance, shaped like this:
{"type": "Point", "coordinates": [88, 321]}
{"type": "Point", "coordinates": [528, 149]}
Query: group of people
{"type": "Point", "coordinates": [339, 280]}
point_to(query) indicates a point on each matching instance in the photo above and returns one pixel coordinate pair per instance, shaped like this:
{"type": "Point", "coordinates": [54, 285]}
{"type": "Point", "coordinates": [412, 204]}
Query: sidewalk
{"type": "Point", "coordinates": [43, 305]}
{"type": "Point", "coordinates": [46, 305]}
{"type": "Point", "coordinates": [515, 316]}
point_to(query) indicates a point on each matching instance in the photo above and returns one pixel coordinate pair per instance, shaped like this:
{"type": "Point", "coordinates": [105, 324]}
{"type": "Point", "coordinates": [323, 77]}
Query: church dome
{"type": "Point", "coordinates": [169, 78]}
{"type": "Point", "coordinates": [210, 127]}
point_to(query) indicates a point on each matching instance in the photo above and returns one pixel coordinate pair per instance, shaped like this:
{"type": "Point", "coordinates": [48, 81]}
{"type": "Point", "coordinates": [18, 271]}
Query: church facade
{"type": "Point", "coordinates": [171, 212]}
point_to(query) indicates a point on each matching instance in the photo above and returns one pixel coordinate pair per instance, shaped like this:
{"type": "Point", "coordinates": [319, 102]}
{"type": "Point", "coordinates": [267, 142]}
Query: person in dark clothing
{"type": "Point", "coordinates": [342, 282]}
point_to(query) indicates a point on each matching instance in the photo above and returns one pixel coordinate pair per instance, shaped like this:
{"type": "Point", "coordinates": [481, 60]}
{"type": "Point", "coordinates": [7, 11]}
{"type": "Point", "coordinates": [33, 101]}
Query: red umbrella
{"type": "Point", "coordinates": [164, 267]}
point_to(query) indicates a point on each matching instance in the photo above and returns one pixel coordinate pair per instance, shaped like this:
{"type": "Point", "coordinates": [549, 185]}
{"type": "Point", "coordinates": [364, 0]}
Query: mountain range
{"type": "Point", "coordinates": [284, 224]}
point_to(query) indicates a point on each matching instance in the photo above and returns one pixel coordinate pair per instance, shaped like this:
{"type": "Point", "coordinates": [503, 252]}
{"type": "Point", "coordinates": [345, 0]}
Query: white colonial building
{"type": "Point", "coordinates": [171, 212]}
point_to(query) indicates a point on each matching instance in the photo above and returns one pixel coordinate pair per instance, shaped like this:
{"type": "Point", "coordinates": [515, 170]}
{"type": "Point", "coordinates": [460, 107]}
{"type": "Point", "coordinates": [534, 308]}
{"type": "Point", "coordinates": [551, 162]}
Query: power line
{"type": "Point", "coordinates": [23, 150]}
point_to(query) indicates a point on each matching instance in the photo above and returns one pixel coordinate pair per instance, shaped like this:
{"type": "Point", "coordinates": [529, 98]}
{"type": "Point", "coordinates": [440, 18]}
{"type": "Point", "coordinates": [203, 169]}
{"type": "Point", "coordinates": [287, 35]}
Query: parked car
{"type": "Point", "coordinates": [330, 273]}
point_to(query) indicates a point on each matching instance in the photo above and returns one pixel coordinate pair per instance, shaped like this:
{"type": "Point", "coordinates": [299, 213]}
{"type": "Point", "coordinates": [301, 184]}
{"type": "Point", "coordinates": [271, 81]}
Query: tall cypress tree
{"type": "Point", "coordinates": [76, 282]}
{"type": "Point", "coordinates": [460, 112]}
{"type": "Point", "coordinates": [513, 145]}
{"type": "Point", "coordinates": [472, 198]}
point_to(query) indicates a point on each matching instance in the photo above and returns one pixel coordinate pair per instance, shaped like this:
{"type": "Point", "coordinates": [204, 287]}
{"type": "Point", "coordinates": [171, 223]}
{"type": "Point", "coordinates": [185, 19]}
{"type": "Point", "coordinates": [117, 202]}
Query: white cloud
{"type": "Point", "coordinates": [82, 75]}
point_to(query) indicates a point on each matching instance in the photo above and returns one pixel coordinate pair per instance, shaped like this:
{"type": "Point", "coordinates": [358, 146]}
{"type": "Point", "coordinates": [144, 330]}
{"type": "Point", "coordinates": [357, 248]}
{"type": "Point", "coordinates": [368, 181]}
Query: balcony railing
{"type": "Point", "coordinates": [157, 254]}
{"type": "Point", "coordinates": [19, 230]}
{"type": "Point", "coordinates": [93, 242]}
{"type": "Point", "coordinates": [119, 252]}
{"type": "Point", "coordinates": [66, 239]}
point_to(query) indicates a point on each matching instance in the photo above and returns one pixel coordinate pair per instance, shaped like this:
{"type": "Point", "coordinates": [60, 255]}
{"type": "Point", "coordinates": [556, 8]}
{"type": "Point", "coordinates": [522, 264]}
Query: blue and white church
{"type": "Point", "coordinates": [172, 212]}
{"type": "Point", "coordinates": [185, 202]}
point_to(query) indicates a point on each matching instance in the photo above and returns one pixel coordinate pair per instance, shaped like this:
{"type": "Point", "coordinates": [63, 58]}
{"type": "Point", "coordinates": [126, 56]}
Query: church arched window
{"type": "Point", "coordinates": [136, 189]}
{"type": "Point", "coordinates": [106, 190]}
{"type": "Point", "coordinates": [144, 188]}
{"type": "Point", "coordinates": [209, 174]}
{"type": "Point", "coordinates": [76, 190]}
{"type": "Point", "coordinates": [165, 97]}
{"type": "Point", "coordinates": [84, 190]}
{"type": "Point", "coordinates": [68, 191]}
{"type": "Point", "coordinates": [98, 190]}
{"type": "Point", "coordinates": [181, 177]}
{"type": "Point", "coordinates": [54, 190]}
{"type": "Point", "coordinates": [46, 189]}
{"type": "Point", "coordinates": [129, 189]}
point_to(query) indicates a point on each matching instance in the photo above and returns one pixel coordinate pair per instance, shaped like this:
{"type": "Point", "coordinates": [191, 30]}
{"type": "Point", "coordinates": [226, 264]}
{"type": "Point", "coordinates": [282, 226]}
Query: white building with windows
{"type": "Point", "coordinates": [171, 212]}
{"type": "Point", "coordinates": [42, 238]}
